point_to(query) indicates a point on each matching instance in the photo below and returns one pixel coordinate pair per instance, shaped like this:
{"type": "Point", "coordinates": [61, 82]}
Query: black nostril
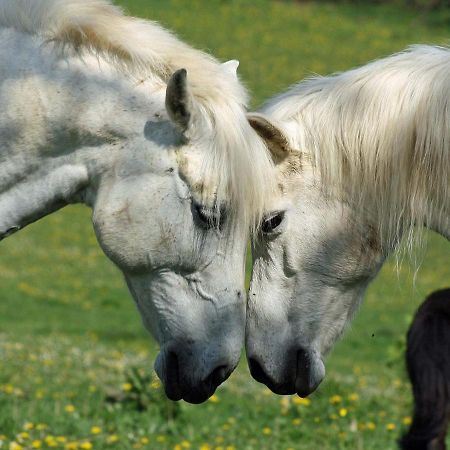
{"type": "Point", "coordinates": [257, 371]}
{"type": "Point", "coordinates": [217, 376]}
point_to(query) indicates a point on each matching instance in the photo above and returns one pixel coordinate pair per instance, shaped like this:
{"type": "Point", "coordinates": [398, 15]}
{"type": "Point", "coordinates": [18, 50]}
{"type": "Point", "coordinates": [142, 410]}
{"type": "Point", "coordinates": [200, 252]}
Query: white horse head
{"type": "Point", "coordinates": [162, 152]}
{"type": "Point", "coordinates": [361, 158]}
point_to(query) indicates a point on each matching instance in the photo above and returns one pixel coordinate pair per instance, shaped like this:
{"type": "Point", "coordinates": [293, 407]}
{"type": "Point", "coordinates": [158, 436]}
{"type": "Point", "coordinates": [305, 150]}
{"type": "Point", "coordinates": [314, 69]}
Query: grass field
{"type": "Point", "coordinates": [75, 362]}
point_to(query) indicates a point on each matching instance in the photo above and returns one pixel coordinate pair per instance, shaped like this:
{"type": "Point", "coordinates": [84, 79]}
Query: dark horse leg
{"type": "Point", "coordinates": [428, 364]}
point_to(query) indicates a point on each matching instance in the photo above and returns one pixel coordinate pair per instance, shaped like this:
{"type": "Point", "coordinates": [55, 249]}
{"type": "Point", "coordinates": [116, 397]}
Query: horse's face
{"type": "Point", "coordinates": [312, 264]}
{"type": "Point", "coordinates": [181, 265]}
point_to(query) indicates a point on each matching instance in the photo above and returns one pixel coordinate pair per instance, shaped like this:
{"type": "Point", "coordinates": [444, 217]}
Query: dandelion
{"type": "Point", "coordinates": [301, 401]}
{"type": "Point", "coordinates": [205, 447]}
{"type": "Point", "coordinates": [145, 440]}
{"type": "Point", "coordinates": [61, 439]}
{"type": "Point", "coordinates": [353, 397]}
{"type": "Point", "coordinates": [69, 408]}
{"type": "Point", "coordinates": [370, 426]}
{"type": "Point", "coordinates": [390, 426]}
{"type": "Point", "coordinates": [23, 435]}
{"type": "Point", "coordinates": [267, 431]}
{"type": "Point", "coordinates": [407, 420]}
{"type": "Point", "coordinates": [127, 387]}
{"type": "Point", "coordinates": [15, 446]}
{"type": "Point", "coordinates": [28, 426]}
{"type": "Point", "coordinates": [86, 445]}
{"type": "Point", "coordinates": [343, 412]}
{"type": "Point", "coordinates": [177, 447]}
{"type": "Point", "coordinates": [296, 421]}
{"type": "Point", "coordinates": [155, 384]}
{"type": "Point", "coordinates": [214, 399]}
{"type": "Point", "coordinates": [36, 444]}
{"type": "Point", "coordinates": [335, 399]}
{"type": "Point", "coordinates": [96, 430]}
{"type": "Point", "coordinates": [112, 439]}
{"type": "Point", "coordinates": [71, 446]}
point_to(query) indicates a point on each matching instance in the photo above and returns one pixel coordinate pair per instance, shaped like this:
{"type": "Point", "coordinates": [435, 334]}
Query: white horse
{"type": "Point", "coordinates": [362, 160]}
{"type": "Point", "coordinates": [116, 113]}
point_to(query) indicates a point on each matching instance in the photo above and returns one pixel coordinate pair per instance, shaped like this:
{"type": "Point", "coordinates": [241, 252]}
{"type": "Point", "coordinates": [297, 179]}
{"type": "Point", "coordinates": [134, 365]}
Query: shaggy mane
{"type": "Point", "coordinates": [238, 160]}
{"type": "Point", "coordinates": [379, 136]}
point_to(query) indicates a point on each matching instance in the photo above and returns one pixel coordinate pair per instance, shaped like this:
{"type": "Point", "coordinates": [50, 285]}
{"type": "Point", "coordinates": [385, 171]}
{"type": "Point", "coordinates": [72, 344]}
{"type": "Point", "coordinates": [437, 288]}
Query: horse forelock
{"type": "Point", "coordinates": [379, 136]}
{"type": "Point", "coordinates": [237, 160]}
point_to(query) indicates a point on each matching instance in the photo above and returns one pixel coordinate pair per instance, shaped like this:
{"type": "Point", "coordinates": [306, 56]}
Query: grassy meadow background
{"type": "Point", "coordinates": [75, 362]}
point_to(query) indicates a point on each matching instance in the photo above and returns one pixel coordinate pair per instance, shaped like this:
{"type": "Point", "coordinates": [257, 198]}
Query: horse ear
{"type": "Point", "coordinates": [179, 103]}
{"type": "Point", "coordinates": [231, 67]}
{"type": "Point", "coordinates": [274, 138]}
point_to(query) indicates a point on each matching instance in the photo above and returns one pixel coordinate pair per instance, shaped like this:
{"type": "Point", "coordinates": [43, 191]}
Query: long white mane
{"type": "Point", "coordinates": [379, 135]}
{"type": "Point", "coordinates": [238, 160]}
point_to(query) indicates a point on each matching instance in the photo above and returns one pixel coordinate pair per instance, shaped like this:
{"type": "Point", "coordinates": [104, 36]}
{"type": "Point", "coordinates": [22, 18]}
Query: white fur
{"type": "Point", "coordinates": [237, 160]}
{"type": "Point", "coordinates": [74, 128]}
{"type": "Point", "coordinates": [370, 161]}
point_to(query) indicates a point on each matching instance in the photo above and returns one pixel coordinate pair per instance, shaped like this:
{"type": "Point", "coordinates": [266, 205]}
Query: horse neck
{"type": "Point", "coordinates": [62, 127]}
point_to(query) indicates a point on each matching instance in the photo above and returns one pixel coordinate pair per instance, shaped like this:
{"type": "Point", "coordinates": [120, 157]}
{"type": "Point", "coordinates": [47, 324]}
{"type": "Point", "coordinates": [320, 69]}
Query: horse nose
{"type": "Point", "coordinates": [310, 372]}
{"type": "Point", "coordinates": [183, 381]}
{"type": "Point", "coordinates": [257, 372]}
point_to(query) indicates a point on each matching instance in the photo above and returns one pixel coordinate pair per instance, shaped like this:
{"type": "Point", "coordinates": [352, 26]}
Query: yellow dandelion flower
{"type": "Point", "coordinates": [69, 408]}
{"type": "Point", "coordinates": [28, 426]}
{"type": "Point", "coordinates": [335, 399]}
{"type": "Point", "coordinates": [267, 431]}
{"type": "Point", "coordinates": [36, 444]}
{"type": "Point", "coordinates": [185, 444]}
{"type": "Point", "coordinates": [353, 397]}
{"type": "Point", "coordinates": [96, 430]}
{"type": "Point", "coordinates": [390, 426]}
{"type": "Point", "coordinates": [71, 446]}
{"type": "Point", "coordinates": [155, 384]}
{"type": "Point", "coordinates": [112, 438]}
{"type": "Point", "coordinates": [205, 447]}
{"type": "Point", "coordinates": [145, 440]}
{"type": "Point", "coordinates": [86, 445]}
{"type": "Point", "coordinates": [15, 446]}
{"type": "Point", "coordinates": [343, 412]}
{"type": "Point", "coordinates": [61, 439]}
{"type": "Point", "coordinates": [296, 421]}
{"type": "Point", "coordinates": [214, 399]}
{"type": "Point", "coordinates": [127, 387]}
{"type": "Point", "coordinates": [23, 435]}
{"type": "Point", "coordinates": [370, 426]}
{"type": "Point", "coordinates": [407, 420]}
{"type": "Point", "coordinates": [301, 401]}
{"type": "Point", "coordinates": [177, 447]}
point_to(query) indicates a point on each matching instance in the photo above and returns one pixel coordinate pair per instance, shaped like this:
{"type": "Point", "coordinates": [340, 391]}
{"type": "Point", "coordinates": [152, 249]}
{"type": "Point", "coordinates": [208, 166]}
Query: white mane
{"type": "Point", "coordinates": [380, 135]}
{"type": "Point", "coordinates": [238, 160]}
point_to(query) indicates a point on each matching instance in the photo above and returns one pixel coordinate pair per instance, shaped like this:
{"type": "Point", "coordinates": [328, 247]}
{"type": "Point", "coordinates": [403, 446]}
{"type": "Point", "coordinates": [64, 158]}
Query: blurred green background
{"type": "Point", "coordinates": [75, 362]}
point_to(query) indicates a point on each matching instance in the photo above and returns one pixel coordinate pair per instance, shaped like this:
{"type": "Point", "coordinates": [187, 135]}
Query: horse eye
{"type": "Point", "coordinates": [272, 223]}
{"type": "Point", "coordinates": [208, 218]}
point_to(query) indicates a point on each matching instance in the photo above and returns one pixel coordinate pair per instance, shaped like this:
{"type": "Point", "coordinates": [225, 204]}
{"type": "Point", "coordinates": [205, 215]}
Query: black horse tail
{"type": "Point", "coordinates": [428, 364]}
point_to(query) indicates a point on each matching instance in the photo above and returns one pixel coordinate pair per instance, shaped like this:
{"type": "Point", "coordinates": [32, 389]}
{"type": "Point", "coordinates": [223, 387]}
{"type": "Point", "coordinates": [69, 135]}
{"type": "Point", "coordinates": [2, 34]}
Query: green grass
{"type": "Point", "coordinates": [73, 352]}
